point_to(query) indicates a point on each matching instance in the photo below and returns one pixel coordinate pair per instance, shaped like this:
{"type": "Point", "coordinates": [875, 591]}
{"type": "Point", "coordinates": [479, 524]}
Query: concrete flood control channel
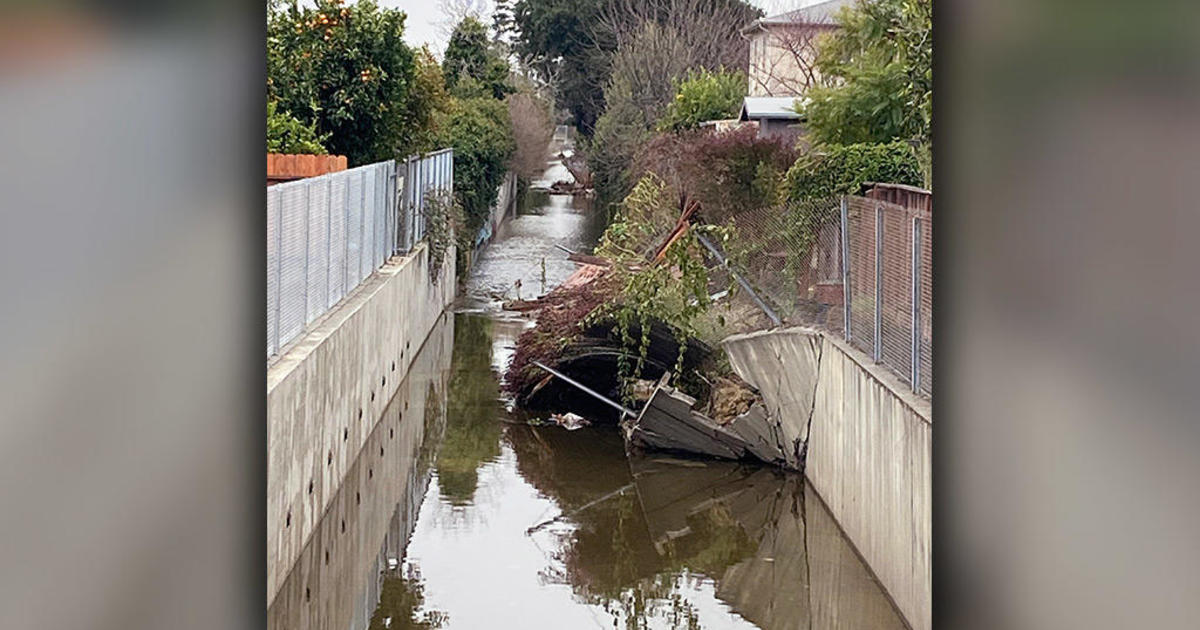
{"type": "Point", "coordinates": [457, 512]}
{"type": "Point", "coordinates": [477, 519]}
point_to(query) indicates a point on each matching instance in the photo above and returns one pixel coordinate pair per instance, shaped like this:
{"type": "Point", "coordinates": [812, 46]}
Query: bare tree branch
{"type": "Point", "coordinates": [783, 57]}
{"type": "Point", "coordinates": [709, 29]}
{"type": "Point", "coordinates": [454, 11]}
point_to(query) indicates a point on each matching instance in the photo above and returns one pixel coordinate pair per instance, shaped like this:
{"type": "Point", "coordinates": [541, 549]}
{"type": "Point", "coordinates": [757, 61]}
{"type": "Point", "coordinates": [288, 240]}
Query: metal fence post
{"type": "Point", "coordinates": [394, 215]}
{"type": "Point", "coordinates": [401, 205]}
{"type": "Point", "coordinates": [845, 269]}
{"type": "Point", "coordinates": [402, 186]}
{"type": "Point", "coordinates": [411, 184]}
{"type": "Point", "coordinates": [916, 305]}
{"type": "Point", "coordinates": [378, 257]}
{"type": "Point", "coordinates": [766, 309]}
{"type": "Point", "coordinates": [410, 209]}
{"type": "Point", "coordinates": [383, 182]}
{"type": "Point", "coordinates": [878, 279]}
{"type": "Point", "coordinates": [390, 196]}
{"type": "Point", "coordinates": [420, 201]}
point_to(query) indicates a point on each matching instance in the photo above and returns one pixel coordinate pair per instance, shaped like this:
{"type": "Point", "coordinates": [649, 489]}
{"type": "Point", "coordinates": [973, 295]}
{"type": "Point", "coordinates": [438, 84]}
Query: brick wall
{"type": "Point", "coordinates": [283, 167]}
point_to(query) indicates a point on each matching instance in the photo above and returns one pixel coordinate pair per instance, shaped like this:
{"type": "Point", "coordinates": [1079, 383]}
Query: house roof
{"type": "Point", "coordinates": [770, 107]}
{"type": "Point", "coordinates": [814, 12]}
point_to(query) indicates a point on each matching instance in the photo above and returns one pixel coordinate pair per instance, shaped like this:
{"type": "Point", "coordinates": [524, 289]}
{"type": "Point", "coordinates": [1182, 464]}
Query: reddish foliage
{"type": "Point", "coordinates": [558, 324]}
{"type": "Point", "coordinates": [727, 171]}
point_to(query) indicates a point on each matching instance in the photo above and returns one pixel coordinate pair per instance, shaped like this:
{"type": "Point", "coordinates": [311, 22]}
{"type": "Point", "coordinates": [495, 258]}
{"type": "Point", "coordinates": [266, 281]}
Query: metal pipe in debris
{"type": "Point", "coordinates": [563, 248]}
{"type": "Point", "coordinates": [740, 280]}
{"type": "Point", "coordinates": [593, 393]}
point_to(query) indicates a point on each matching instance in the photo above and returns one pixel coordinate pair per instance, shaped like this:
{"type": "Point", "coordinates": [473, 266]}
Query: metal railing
{"type": "Point", "coordinates": [852, 265]}
{"type": "Point", "coordinates": [327, 234]}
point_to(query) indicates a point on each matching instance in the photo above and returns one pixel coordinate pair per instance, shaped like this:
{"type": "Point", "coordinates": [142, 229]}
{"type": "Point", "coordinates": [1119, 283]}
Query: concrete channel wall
{"type": "Point", "coordinates": [332, 584]}
{"type": "Point", "coordinates": [328, 390]}
{"type": "Point", "coordinates": [869, 447]}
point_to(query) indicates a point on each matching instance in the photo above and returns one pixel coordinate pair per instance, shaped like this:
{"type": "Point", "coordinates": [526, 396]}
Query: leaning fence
{"type": "Point", "coordinates": [789, 254]}
{"type": "Point", "coordinates": [858, 267]}
{"type": "Point", "coordinates": [327, 234]}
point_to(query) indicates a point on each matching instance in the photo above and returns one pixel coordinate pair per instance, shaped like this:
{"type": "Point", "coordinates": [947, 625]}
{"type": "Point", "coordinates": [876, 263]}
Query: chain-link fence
{"type": "Point", "coordinates": [791, 256]}
{"type": "Point", "coordinates": [888, 280]}
{"type": "Point", "coordinates": [326, 234]}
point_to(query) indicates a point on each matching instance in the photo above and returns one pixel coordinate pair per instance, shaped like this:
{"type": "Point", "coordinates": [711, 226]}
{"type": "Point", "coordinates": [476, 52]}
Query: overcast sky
{"type": "Point", "coordinates": [426, 17]}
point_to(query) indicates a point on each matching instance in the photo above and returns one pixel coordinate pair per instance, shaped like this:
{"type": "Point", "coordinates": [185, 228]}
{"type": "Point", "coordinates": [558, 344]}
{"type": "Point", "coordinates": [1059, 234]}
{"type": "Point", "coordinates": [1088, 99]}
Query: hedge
{"type": "Point", "coordinates": [842, 169]}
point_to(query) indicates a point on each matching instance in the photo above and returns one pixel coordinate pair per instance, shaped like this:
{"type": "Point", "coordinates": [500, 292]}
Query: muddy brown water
{"type": "Point", "coordinates": [491, 522]}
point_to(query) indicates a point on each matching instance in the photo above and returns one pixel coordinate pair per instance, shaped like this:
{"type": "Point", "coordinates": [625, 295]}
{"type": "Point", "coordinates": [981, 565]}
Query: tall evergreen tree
{"type": "Point", "coordinates": [473, 66]}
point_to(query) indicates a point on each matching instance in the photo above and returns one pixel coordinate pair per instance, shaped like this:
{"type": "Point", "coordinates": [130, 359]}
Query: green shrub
{"type": "Point", "coordinates": [429, 111]}
{"type": "Point", "coordinates": [704, 96]}
{"type": "Point", "coordinates": [842, 169]}
{"type": "Point", "coordinates": [287, 134]}
{"type": "Point", "coordinates": [619, 132]}
{"type": "Point", "coordinates": [675, 292]}
{"type": "Point", "coordinates": [481, 134]}
{"type": "Point", "coordinates": [881, 64]}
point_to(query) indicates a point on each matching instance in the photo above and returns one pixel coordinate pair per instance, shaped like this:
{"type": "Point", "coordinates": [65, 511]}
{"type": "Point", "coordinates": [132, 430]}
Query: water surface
{"type": "Point", "coordinates": [524, 249]}
{"type": "Point", "coordinates": [523, 522]}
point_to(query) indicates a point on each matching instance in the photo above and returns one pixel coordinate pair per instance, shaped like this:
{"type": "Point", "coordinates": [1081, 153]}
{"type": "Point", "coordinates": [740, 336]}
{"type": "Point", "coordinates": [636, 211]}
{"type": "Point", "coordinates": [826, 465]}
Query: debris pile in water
{"type": "Point", "coordinates": [560, 314]}
{"type": "Point", "coordinates": [591, 352]}
{"type": "Point", "coordinates": [613, 345]}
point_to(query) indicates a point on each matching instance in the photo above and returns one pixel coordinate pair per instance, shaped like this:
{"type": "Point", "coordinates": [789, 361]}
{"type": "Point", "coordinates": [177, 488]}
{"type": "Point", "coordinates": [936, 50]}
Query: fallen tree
{"type": "Point", "coordinates": [573, 335]}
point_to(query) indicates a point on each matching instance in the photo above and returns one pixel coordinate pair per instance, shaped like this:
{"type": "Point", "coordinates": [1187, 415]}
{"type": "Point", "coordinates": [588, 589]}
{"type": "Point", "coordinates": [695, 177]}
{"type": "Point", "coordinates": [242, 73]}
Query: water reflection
{"type": "Point", "coordinates": [350, 561]}
{"type": "Point", "coordinates": [561, 526]}
{"type": "Point", "coordinates": [400, 600]}
{"type": "Point", "coordinates": [473, 433]}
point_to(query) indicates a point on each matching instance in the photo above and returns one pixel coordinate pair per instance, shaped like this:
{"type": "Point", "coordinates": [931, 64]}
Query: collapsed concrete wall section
{"type": "Point", "coordinates": [865, 443]}
{"type": "Point", "coordinates": [327, 392]}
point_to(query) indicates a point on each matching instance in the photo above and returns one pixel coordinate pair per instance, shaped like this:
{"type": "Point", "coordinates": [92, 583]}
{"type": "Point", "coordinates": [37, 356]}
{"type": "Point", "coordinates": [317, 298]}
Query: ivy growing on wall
{"type": "Point", "coordinates": [443, 220]}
